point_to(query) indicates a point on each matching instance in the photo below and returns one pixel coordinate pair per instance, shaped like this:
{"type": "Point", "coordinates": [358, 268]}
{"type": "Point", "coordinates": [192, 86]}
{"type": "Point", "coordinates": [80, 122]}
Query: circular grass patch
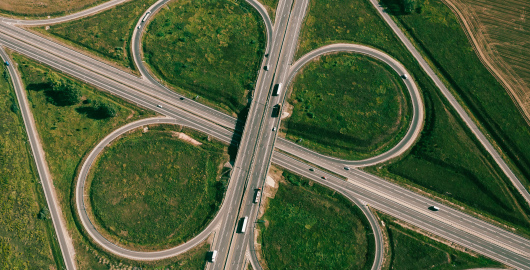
{"type": "Point", "coordinates": [348, 106]}
{"type": "Point", "coordinates": [153, 190]}
{"type": "Point", "coordinates": [311, 227]}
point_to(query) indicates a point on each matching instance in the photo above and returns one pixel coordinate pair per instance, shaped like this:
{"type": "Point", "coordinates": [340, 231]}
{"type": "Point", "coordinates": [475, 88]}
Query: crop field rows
{"type": "Point", "coordinates": [501, 31]}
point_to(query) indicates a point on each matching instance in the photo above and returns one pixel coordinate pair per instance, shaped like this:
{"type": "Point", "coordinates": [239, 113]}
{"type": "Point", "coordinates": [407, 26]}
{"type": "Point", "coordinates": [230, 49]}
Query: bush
{"type": "Point", "coordinates": [105, 109]}
{"type": "Point", "coordinates": [44, 213]}
{"type": "Point", "coordinates": [63, 92]}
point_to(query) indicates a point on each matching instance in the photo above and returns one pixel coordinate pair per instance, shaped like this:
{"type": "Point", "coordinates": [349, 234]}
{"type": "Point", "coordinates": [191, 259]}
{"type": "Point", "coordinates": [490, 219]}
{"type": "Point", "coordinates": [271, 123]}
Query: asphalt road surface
{"type": "Point", "coordinates": [394, 200]}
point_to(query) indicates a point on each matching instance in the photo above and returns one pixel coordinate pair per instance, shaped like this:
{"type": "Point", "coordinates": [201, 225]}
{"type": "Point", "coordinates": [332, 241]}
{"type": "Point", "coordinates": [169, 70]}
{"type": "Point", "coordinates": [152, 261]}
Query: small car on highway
{"type": "Point", "coordinates": [433, 208]}
{"type": "Point", "coordinates": [323, 177]}
{"type": "Point", "coordinates": [274, 129]}
{"type": "Point", "coordinates": [159, 106]}
{"type": "Point", "coordinates": [311, 169]}
{"type": "Point", "coordinates": [347, 168]}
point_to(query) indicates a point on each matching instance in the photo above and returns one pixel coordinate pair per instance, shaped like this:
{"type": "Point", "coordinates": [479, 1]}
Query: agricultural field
{"type": "Point", "coordinates": [43, 8]}
{"type": "Point", "coordinates": [67, 133]}
{"type": "Point", "coordinates": [412, 250]}
{"type": "Point", "coordinates": [106, 34]}
{"type": "Point", "coordinates": [311, 227]}
{"type": "Point", "coordinates": [27, 239]}
{"type": "Point", "coordinates": [500, 34]}
{"type": "Point", "coordinates": [451, 150]}
{"type": "Point", "coordinates": [348, 106]}
{"type": "Point", "coordinates": [209, 49]}
{"type": "Point", "coordinates": [153, 190]}
{"type": "Point", "coordinates": [436, 32]}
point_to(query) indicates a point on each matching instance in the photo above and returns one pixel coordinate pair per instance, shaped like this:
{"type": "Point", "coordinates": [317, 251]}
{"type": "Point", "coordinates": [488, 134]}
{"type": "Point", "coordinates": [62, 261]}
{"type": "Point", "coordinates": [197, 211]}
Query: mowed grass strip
{"type": "Point", "coordinates": [209, 48]}
{"type": "Point", "coordinates": [410, 249]}
{"type": "Point", "coordinates": [348, 106]}
{"type": "Point", "coordinates": [43, 8]}
{"type": "Point", "coordinates": [468, 159]}
{"type": "Point", "coordinates": [438, 35]}
{"type": "Point", "coordinates": [25, 240]}
{"type": "Point", "coordinates": [107, 34]}
{"type": "Point", "coordinates": [67, 134]}
{"type": "Point", "coordinates": [155, 190]}
{"type": "Point", "coordinates": [310, 227]}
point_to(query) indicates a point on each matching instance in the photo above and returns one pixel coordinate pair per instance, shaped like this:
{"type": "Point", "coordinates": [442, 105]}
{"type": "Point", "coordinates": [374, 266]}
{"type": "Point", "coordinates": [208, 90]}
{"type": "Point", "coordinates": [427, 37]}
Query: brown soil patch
{"type": "Point", "coordinates": [499, 31]}
{"type": "Point", "coordinates": [185, 138]}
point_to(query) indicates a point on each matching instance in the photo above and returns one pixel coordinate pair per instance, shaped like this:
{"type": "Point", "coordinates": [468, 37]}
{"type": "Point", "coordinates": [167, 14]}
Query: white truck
{"type": "Point", "coordinates": [277, 90]}
{"type": "Point", "coordinates": [257, 195]}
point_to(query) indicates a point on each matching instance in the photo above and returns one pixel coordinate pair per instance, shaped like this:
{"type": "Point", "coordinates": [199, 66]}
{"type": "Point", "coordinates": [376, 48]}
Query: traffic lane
{"type": "Point", "coordinates": [454, 103]}
{"type": "Point", "coordinates": [65, 244]}
{"type": "Point", "coordinates": [417, 103]}
{"type": "Point", "coordinates": [252, 128]}
{"type": "Point", "coordinates": [401, 212]}
{"type": "Point", "coordinates": [21, 37]}
{"type": "Point", "coordinates": [77, 15]}
{"type": "Point", "coordinates": [87, 223]}
{"type": "Point", "coordinates": [264, 147]}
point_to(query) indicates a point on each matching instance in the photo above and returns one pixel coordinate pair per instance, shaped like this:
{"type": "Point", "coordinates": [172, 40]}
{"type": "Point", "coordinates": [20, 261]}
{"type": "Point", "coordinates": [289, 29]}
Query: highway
{"type": "Point", "coordinates": [65, 242]}
{"type": "Point", "coordinates": [73, 16]}
{"type": "Point", "coordinates": [454, 103]}
{"type": "Point", "coordinates": [378, 193]}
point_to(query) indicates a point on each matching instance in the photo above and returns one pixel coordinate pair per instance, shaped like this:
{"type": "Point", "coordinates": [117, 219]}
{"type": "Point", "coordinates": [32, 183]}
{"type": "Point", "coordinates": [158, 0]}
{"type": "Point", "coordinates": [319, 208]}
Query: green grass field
{"type": "Point", "coordinates": [154, 190]}
{"type": "Point", "coordinates": [455, 167]}
{"type": "Point", "coordinates": [348, 106]}
{"type": "Point", "coordinates": [25, 240]}
{"type": "Point", "coordinates": [208, 48]}
{"type": "Point", "coordinates": [106, 34]}
{"type": "Point", "coordinates": [411, 250]}
{"type": "Point", "coordinates": [67, 134]}
{"type": "Point", "coordinates": [438, 35]}
{"type": "Point", "coordinates": [450, 157]}
{"type": "Point", "coordinates": [310, 227]}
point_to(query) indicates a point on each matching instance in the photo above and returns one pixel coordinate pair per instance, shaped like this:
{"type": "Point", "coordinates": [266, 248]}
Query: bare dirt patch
{"type": "Point", "coordinates": [186, 138]}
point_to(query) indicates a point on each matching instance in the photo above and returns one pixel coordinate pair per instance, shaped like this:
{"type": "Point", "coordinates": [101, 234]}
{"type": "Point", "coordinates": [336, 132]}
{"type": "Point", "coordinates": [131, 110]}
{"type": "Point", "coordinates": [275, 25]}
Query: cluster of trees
{"type": "Point", "coordinates": [64, 92]}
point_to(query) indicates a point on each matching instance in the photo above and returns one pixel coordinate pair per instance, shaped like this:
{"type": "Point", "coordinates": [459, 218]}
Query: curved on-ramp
{"type": "Point", "coordinates": [87, 223]}
{"type": "Point", "coordinates": [158, 255]}
{"type": "Point", "coordinates": [418, 109]}
{"type": "Point", "coordinates": [73, 16]}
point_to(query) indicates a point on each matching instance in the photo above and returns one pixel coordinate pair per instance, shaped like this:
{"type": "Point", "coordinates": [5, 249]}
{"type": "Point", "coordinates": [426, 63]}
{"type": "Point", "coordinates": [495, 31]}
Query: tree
{"type": "Point", "coordinates": [63, 92]}
{"type": "Point", "coordinates": [104, 109]}
{"type": "Point", "coordinates": [408, 6]}
{"type": "Point", "coordinates": [44, 213]}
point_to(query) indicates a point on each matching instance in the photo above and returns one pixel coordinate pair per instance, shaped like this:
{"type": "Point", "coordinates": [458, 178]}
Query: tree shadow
{"type": "Point", "coordinates": [393, 7]}
{"type": "Point", "coordinates": [37, 87]}
{"type": "Point", "coordinates": [91, 113]}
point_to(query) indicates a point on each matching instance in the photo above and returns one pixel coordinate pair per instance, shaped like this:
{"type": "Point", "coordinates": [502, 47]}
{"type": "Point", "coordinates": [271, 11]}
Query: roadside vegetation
{"type": "Point", "coordinates": [311, 227]}
{"type": "Point", "coordinates": [272, 6]}
{"type": "Point", "coordinates": [67, 133]}
{"type": "Point", "coordinates": [436, 32]}
{"type": "Point", "coordinates": [348, 106]}
{"type": "Point", "coordinates": [106, 34]}
{"type": "Point", "coordinates": [27, 236]}
{"type": "Point", "coordinates": [500, 30]}
{"type": "Point", "coordinates": [209, 50]}
{"type": "Point", "coordinates": [44, 8]}
{"type": "Point", "coordinates": [412, 249]}
{"type": "Point", "coordinates": [447, 161]}
{"type": "Point", "coordinates": [154, 190]}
